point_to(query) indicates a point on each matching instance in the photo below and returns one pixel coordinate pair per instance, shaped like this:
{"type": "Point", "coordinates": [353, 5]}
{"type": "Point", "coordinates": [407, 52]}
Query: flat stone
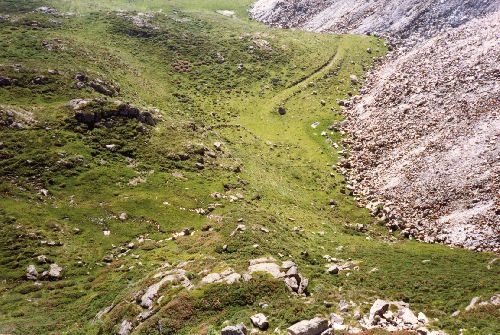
{"type": "Point", "coordinates": [287, 265]}
{"type": "Point", "coordinates": [272, 268]}
{"type": "Point", "coordinates": [262, 260]}
{"type": "Point", "coordinates": [211, 278]}
{"type": "Point", "coordinates": [314, 326]}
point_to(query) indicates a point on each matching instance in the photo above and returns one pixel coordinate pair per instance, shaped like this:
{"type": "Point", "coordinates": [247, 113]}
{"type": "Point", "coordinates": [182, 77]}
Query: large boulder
{"type": "Point", "coordinates": [314, 326]}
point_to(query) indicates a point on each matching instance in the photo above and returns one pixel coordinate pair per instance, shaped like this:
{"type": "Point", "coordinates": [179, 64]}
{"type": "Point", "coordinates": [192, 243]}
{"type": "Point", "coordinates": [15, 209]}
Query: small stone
{"type": "Point", "coordinates": [335, 318]}
{"type": "Point", "coordinates": [55, 271]}
{"type": "Point", "coordinates": [31, 272]}
{"type": "Point", "coordinates": [260, 321]}
{"type": "Point", "coordinates": [315, 125]}
{"type": "Point", "coordinates": [123, 216]}
{"type": "Point", "coordinates": [234, 330]}
{"type": "Point", "coordinates": [42, 259]}
{"type": "Point", "coordinates": [281, 110]}
{"type": "Point", "coordinates": [334, 269]}
{"type": "Point", "coordinates": [218, 146]}
{"type": "Point", "coordinates": [343, 306]}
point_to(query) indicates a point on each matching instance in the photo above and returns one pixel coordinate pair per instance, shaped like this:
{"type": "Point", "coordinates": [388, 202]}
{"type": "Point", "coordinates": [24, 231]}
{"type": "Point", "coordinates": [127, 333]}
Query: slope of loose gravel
{"type": "Point", "coordinates": [405, 19]}
{"type": "Point", "coordinates": [426, 136]}
{"type": "Point", "coordinates": [425, 131]}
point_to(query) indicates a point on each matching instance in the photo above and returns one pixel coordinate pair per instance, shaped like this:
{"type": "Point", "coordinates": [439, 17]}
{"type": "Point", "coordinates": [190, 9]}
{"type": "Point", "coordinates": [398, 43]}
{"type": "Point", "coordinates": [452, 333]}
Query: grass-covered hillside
{"type": "Point", "coordinates": [175, 163]}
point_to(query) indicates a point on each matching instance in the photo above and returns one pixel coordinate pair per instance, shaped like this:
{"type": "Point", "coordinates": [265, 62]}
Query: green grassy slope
{"type": "Point", "coordinates": [278, 167]}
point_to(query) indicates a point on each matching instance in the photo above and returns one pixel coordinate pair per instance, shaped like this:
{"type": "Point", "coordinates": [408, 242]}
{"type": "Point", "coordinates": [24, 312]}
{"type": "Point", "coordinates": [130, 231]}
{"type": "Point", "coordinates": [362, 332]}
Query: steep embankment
{"type": "Point", "coordinates": [425, 130]}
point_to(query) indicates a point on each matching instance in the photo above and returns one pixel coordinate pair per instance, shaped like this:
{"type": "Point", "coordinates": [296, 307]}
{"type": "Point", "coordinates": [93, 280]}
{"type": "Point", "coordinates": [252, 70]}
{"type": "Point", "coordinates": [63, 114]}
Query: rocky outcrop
{"type": "Point", "coordinates": [91, 112]}
{"type": "Point", "coordinates": [395, 316]}
{"type": "Point", "coordinates": [288, 272]}
{"type": "Point", "coordinates": [99, 85]}
{"type": "Point", "coordinates": [147, 300]}
{"type": "Point", "coordinates": [15, 118]}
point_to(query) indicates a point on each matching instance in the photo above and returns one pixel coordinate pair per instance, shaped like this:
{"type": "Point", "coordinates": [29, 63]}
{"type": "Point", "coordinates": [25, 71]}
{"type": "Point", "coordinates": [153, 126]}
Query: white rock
{"type": "Point", "coordinates": [55, 271]}
{"type": "Point", "coordinates": [422, 318]}
{"type": "Point", "coordinates": [232, 278]}
{"type": "Point", "coordinates": [335, 318]}
{"type": "Point", "coordinates": [334, 269]}
{"type": "Point", "coordinates": [31, 272]}
{"type": "Point", "coordinates": [287, 265]}
{"type": "Point", "coordinates": [315, 125]}
{"type": "Point", "coordinates": [408, 316]}
{"type": "Point", "coordinates": [309, 327]}
{"type": "Point", "coordinates": [125, 327]}
{"type": "Point", "coordinates": [234, 330]}
{"type": "Point", "coordinates": [218, 145]}
{"type": "Point", "coordinates": [272, 268]}
{"type": "Point", "coordinates": [211, 278]}
{"type": "Point", "coordinates": [472, 303]}
{"type": "Point", "coordinates": [379, 307]}
{"type": "Point", "coordinates": [260, 321]}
